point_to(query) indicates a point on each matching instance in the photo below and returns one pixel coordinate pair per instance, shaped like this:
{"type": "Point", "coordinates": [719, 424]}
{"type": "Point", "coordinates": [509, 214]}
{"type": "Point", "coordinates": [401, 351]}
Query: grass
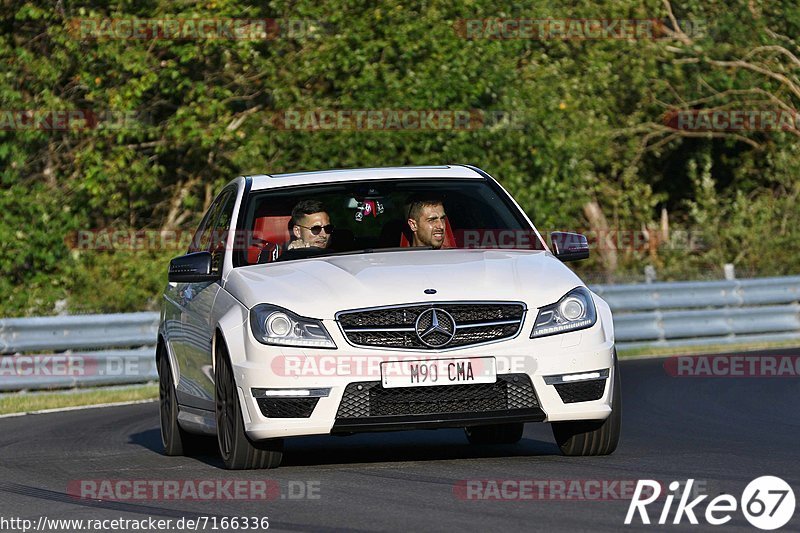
{"type": "Point", "coordinates": [709, 349]}
{"type": "Point", "coordinates": [26, 402]}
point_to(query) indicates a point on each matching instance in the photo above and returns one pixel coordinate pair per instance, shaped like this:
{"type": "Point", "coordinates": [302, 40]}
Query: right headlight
{"type": "Point", "coordinates": [574, 311]}
{"type": "Point", "coordinates": [274, 325]}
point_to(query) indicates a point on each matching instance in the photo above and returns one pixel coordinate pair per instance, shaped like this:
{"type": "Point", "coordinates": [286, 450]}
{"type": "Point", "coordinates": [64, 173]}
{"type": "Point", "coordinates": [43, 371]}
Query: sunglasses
{"type": "Point", "coordinates": [316, 230]}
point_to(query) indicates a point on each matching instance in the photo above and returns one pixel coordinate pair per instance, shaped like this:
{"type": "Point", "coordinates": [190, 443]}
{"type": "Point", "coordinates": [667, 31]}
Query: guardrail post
{"type": "Point", "coordinates": [649, 274]}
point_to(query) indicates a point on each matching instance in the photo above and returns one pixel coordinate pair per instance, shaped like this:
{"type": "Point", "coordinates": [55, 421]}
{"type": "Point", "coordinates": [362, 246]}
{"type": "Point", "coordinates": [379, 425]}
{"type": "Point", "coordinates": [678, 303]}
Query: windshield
{"type": "Point", "coordinates": [366, 216]}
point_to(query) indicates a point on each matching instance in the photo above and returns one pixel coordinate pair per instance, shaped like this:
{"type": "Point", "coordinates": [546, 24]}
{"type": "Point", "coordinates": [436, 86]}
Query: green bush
{"type": "Point", "coordinates": [590, 117]}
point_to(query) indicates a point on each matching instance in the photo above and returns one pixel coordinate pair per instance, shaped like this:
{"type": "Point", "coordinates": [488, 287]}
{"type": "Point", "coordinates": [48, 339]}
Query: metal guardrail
{"type": "Point", "coordinates": [119, 349]}
{"type": "Point", "coordinates": [82, 332]}
{"type": "Point", "coordinates": [693, 294]}
{"type": "Point", "coordinates": [705, 312]}
{"type": "Point", "coordinates": [77, 351]}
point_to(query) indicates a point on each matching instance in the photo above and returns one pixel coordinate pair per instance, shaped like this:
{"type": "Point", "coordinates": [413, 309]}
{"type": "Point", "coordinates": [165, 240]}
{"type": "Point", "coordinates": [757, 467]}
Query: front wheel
{"type": "Point", "coordinates": [238, 452]}
{"type": "Point", "coordinates": [592, 437]}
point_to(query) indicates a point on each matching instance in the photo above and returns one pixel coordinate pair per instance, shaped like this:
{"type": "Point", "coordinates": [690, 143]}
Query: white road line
{"type": "Point", "coordinates": [76, 408]}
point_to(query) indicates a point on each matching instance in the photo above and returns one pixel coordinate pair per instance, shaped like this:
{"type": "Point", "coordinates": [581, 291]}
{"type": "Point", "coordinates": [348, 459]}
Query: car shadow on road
{"type": "Point", "coordinates": [389, 447]}
{"type": "Point", "coordinates": [393, 446]}
{"type": "Point", "coordinates": [401, 446]}
{"type": "Point", "coordinates": [203, 449]}
{"type": "Point", "coordinates": [150, 439]}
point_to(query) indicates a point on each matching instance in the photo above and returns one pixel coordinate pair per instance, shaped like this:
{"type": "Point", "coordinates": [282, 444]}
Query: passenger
{"type": "Point", "coordinates": [310, 225]}
{"type": "Point", "coordinates": [426, 218]}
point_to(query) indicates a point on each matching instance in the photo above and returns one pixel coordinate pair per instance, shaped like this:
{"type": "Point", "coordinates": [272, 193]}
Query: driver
{"type": "Point", "coordinates": [426, 218]}
{"type": "Point", "coordinates": [310, 225]}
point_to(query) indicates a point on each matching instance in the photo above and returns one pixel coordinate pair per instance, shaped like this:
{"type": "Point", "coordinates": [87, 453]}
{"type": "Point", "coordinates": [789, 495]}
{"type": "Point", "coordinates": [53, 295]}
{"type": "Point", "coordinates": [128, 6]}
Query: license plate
{"type": "Point", "coordinates": [432, 372]}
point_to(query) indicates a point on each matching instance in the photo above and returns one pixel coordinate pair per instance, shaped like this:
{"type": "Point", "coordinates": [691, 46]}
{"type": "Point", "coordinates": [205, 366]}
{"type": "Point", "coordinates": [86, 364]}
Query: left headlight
{"type": "Point", "coordinates": [274, 325]}
{"type": "Point", "coordinates": [574, 311]}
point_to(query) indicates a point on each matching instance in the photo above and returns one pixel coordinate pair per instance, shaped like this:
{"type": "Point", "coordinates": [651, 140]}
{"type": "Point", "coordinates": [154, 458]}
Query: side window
{"type": "Point", "coordinates": [202, 236]}
{"type": "Point", "coordinates": [219, 230]}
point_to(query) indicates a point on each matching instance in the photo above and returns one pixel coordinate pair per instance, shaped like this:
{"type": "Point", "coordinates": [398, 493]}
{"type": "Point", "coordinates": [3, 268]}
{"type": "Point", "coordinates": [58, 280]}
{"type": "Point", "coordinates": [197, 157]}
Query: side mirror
{"type": "Point", "coordinates": [569, 246]}
{"type": "Point", "coordinates": [192, 268]}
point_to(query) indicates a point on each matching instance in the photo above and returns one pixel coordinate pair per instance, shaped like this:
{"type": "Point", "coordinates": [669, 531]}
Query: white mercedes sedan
{"type": "Point", "coordinates": [380, 299]}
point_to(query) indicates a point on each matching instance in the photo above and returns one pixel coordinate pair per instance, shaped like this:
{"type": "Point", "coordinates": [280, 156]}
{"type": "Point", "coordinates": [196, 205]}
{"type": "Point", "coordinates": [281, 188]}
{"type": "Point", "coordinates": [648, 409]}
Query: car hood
{"type": "Point", "coordinates": [320, 287]}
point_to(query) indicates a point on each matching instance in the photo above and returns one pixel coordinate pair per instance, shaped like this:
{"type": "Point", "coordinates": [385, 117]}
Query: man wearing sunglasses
{"type": "Point", "coordinates": [310, 225]}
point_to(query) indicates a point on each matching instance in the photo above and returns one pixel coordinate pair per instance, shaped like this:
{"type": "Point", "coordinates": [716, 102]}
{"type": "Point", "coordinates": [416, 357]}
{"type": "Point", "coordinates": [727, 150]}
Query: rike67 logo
{"type": "Point", "coordinates": [767, 503]}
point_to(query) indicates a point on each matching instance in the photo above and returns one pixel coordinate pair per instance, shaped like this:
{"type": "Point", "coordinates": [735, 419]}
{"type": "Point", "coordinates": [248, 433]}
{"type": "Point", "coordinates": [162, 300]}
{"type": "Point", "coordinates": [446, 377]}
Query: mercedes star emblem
{"type": "Point", "coordinates": [435, 327]}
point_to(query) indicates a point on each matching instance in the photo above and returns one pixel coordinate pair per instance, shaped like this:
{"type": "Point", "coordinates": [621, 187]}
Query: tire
{"type": "Point", "coordinates": [495, 434]}
{"type": "Point", "coordinates": [592, 437]}
{"type": "Point", "coordinates": [238, 452]}
{"type": "Point", "coordinates": [175, 440]}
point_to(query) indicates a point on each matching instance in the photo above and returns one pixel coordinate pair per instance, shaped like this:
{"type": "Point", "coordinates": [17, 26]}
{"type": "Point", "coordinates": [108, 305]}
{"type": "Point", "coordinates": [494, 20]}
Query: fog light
{"type": "Point", "coordinates": [582, 376]}
{"type": "Point", "coordinates": [290, 393]}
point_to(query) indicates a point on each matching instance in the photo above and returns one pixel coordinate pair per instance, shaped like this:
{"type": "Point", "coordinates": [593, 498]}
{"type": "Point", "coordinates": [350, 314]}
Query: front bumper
{"type": "Point", "coordinates": [541, 362]}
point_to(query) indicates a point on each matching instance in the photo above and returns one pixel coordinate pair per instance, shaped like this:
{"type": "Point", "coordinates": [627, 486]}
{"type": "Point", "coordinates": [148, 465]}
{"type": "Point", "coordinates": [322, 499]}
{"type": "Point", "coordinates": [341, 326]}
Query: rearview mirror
{"type": "Point", "coordinates": [192, 268]}
{"type": "Point", "coordinates": [569, 246]}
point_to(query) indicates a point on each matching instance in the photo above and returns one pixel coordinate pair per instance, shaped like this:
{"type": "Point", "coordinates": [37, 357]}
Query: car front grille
{"type": "Point", "coordinates": [397, 327]}
{"type": "Point", "coordinates": [583, 391]}
{"type": "Point", "coordinates": [370, 399]}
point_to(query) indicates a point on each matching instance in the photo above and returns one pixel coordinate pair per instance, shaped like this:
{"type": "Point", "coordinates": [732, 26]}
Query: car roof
{"type": "Point", "coordinates": [269, 181]}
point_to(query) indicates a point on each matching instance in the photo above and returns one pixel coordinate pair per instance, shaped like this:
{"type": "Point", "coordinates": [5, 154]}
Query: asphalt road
{"type": "Point", "coordinates": [723, 432]}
